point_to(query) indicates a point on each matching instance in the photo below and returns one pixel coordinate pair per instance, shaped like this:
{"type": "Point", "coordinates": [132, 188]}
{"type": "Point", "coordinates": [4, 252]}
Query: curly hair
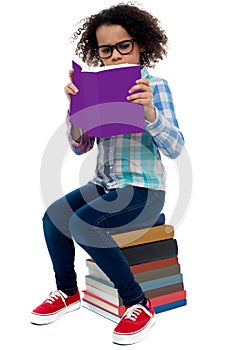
{"type": "Point", "coordinates": [140, 24]}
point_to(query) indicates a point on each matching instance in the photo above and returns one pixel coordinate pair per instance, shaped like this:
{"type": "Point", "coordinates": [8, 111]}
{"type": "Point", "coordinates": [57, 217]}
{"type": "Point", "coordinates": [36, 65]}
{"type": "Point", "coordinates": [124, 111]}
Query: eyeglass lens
{"type": "Point", "coordinates": [123, 47]}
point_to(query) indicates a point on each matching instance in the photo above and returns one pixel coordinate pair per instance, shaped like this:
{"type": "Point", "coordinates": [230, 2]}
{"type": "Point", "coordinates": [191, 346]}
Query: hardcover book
{"type": "Point", "coordinates": [146, 235]}
{"type": "Point", "coordinates": [101, 107]}
{"type": "Point", "coordinates": [142, 253]}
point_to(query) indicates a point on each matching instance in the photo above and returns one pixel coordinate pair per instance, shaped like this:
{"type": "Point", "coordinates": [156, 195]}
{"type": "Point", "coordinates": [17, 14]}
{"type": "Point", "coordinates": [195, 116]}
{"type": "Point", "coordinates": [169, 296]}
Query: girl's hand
{"type": "Point", "coordinates": [70, 88]}
{"type": "Point", "coordinates": [145, 98]}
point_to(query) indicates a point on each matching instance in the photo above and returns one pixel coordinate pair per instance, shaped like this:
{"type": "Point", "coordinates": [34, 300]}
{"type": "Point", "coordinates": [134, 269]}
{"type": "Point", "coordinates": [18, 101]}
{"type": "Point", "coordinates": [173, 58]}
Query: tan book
{"type": "Point", "coordinates": [145, 235]}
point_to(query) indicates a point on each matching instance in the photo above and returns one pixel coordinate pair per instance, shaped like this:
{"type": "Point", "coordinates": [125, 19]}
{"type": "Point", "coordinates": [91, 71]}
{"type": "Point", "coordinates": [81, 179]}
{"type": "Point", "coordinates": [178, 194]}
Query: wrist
{"type": "Point", "coordinates": [150, 114]}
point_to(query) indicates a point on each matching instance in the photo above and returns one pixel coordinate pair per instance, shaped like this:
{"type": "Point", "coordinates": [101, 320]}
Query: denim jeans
{"type": "Point", "coordinates": [90, 216]}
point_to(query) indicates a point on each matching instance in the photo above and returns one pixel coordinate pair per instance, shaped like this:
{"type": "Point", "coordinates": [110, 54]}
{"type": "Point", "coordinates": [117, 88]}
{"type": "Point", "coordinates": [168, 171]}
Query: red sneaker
{"type": "Point", "coordinates": [134, 325]}
{"type": "Point", "coordinates": [57, 304]}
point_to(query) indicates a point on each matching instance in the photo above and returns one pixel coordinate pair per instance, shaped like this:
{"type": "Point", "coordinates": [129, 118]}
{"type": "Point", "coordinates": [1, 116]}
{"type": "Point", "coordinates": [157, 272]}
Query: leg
{"type": "Point", "coordinates": [57, 236]}
{"type": "Point", "coordinates": [119, 210]}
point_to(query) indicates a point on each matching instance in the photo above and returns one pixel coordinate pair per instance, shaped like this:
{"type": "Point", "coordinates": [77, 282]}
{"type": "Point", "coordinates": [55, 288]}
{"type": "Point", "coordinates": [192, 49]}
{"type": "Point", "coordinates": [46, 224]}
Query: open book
{"type": "Point", "coordinates": [100, 107]}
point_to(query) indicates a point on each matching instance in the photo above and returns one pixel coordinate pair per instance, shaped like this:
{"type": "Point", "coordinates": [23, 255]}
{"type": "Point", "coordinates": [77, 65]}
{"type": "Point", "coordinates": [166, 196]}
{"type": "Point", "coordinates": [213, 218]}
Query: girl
{"type": "Point", "coordinates": [128, 190]}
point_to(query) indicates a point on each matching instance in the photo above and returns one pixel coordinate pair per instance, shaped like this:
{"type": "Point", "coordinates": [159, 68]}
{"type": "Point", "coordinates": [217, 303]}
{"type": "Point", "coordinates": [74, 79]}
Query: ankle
{"type": "Point", "coordinates": [145, 302]}
{"type": "Point", "coordinates": [70, 291]}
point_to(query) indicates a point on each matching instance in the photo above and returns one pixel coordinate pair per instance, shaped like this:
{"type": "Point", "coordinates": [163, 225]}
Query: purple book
{"type": "Point", "coordinates": [100, 108]}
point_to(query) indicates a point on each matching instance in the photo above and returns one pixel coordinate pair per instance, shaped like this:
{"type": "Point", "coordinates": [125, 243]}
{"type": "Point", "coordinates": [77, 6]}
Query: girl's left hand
{"type": "Point", "coordinates": [145, 98]}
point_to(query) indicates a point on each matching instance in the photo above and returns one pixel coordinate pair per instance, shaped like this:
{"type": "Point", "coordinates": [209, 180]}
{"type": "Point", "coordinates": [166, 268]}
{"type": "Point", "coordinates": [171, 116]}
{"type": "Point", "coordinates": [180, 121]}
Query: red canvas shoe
{"type": "Point", "coordinates": [134, 325]}
{"type": "Point", "coordinates": [57, 304]}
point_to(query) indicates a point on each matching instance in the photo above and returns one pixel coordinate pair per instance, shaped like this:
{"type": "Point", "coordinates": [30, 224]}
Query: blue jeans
{"type": "Point", "coordinates": [90, 217]}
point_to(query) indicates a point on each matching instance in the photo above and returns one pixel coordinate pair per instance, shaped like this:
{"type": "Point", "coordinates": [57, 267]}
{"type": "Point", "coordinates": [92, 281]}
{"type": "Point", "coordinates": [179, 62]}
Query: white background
{"type": "Point", "coordinates": [35, 59]}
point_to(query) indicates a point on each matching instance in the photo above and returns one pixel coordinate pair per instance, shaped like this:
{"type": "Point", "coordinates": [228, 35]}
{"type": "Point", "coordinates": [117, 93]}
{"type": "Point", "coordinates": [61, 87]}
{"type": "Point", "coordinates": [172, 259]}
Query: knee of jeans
{"type": "Point", "coordinates": [79, 227]}
{"type": "Point", "coordinates": [47, 226]}
{"type": "Point", "coordinates": [84, 231]}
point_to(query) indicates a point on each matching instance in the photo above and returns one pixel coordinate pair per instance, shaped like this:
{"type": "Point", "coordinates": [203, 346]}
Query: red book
{"type": "Point", "coordinates": [152, 265]}
{"type": "Point", "coordinates": [119, 310]}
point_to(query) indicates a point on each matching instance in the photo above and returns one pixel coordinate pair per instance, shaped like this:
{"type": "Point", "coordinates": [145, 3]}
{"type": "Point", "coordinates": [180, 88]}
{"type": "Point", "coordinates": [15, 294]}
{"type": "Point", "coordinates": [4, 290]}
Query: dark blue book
{"type": "Point", "coordinates": [170, 306]}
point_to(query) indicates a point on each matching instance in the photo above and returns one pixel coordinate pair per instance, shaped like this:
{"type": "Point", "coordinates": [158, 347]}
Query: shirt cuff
{"type": "Point", "coordinates": [69, 127]}
{"type": "Point", "coordinates": [156, 127]}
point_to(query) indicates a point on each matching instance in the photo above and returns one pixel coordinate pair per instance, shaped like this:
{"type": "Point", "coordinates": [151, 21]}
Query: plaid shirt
{"type": "Point", "coordinates": [135, 159]}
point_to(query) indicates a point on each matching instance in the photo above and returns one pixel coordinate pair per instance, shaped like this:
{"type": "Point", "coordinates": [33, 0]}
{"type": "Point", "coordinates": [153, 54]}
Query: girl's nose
{"type": "Point", "coordinates": [116, 55]}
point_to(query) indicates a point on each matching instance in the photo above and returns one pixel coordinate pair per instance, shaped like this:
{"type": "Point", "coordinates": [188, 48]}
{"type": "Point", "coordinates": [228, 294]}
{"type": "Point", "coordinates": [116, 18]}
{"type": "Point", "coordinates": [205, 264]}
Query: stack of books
{"type": "Point", "coordinates": [152, 254]}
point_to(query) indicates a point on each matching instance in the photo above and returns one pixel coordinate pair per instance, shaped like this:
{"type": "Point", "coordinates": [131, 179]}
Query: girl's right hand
{"type": "Point", "coordinates": [70, 88]}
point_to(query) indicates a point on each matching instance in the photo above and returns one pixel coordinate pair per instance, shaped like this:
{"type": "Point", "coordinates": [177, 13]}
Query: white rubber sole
{"type": "Point", "coordinates": [128, 339]}
{"type": "Point", "coordinates": [46, 319]}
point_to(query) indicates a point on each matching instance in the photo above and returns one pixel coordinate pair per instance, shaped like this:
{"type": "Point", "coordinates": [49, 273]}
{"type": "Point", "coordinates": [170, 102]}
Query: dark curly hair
{"type": "Point", "coordinates": [137, 22]}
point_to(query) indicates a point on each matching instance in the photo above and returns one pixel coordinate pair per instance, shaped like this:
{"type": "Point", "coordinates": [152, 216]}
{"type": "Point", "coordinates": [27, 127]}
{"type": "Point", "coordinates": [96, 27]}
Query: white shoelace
{"type": "Point", "coordinates": [55, 295]}
{"type": "Point", "coordinates": [134, 311]}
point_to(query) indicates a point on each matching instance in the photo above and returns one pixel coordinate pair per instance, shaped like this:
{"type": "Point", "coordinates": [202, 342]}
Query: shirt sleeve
{"type": "Point", "coordinates": [165, 129]}
{"type": "Point", "coordinates": [86, 142]}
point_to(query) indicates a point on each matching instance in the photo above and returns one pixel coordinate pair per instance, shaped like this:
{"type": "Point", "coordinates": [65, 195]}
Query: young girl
{"type": "Point", "coordinates": [128, 190]}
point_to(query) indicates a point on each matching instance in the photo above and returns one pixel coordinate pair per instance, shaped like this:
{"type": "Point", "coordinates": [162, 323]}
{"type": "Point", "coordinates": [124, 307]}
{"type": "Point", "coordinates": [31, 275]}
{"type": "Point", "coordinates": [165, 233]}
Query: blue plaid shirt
{"type": "Point", "coordinates": [135, 159]}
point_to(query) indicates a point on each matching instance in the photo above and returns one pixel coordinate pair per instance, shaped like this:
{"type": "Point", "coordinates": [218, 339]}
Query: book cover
{"type": "Point", "coordinates": [164, 290]}
{"type": "Point", "coordinates": [161, 282]}
{"type": "Point", "coordinates": [170, 306]}
{"type": "Point", "coordinates": [154, 264]}
{"type": "Point", "coordinates": [150, 251]}
{"type": "Point", "coordinates": [100, 107]}
{"type": "Point", "coordinates": [147, 235]}
{"type": "Point", "coordinates": [157, 273]}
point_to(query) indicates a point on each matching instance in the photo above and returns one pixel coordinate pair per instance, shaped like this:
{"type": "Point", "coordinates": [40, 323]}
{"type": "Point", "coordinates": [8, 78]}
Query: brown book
{"type": "Point", "coordinates": [145, 235]}
{"type": "Point", "coordinates": [164, 290]}
{"type": "Point", "coordinates": [155, 264]}
{"type": "Point", "coordinates": [157, 273]}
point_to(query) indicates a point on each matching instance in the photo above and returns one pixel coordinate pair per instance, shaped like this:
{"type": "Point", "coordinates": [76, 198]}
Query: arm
{"type": "Point", "coordinates": [79, 141]}
{"type": "Point", "coordinates": [160, 117]}
{"type": "Point", "coordinates": [165, 129]}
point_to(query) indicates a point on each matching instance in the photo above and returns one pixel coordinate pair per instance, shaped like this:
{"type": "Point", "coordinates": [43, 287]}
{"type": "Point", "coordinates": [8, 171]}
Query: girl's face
{"type": "Point", "coordinates": [127, 50]}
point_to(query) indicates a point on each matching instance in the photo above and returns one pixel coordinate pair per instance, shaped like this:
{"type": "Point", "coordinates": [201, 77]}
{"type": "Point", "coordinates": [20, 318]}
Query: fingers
{"type": "Point", "coordinates": [140, 85]}
{"type": "Point", "coordinates": [141, 97]}
{"type": "Point", "coordinates": [70, 89]}
{"type": "Point", "coordinates": [141, 93]}
{"type": "Point", "coordinates": [71, 72]}
{"type": "Point", "coordinates": [143, 81]}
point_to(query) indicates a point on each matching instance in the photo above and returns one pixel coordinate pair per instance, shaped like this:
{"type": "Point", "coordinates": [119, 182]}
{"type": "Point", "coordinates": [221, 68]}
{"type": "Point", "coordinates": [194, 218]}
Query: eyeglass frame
{"type": "Point", "coordinates": [112, 47]}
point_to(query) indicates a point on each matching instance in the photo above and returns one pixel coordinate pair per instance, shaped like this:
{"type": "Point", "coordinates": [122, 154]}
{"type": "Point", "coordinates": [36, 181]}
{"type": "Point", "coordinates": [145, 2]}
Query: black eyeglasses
{"type": "Point", "coordinates": [123, 47]}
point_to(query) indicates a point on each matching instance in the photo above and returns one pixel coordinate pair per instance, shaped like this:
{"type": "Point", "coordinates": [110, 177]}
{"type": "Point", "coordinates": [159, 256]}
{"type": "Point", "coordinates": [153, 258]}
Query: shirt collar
{"type": "Point", "coordinates": [144, 72]}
